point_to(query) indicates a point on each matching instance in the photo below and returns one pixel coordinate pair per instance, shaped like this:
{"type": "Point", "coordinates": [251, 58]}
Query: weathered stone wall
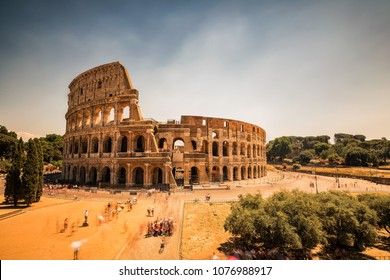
{"type": "Point", "coordinates": [108, 143]}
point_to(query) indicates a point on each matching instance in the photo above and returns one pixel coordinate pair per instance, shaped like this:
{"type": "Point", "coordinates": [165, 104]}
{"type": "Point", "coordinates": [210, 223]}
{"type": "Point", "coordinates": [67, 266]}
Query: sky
{"type": "Point", "coordinates": [302, 68]}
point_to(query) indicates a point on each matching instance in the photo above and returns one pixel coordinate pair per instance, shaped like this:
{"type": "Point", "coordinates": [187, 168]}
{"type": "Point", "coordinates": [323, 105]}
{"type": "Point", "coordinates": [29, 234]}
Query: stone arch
{"type": "Point", "coordinates": [249, 172]}
{"type": "Point", "coordinates": [74, 174]}
{"type": "Point", "coordinates": [106, 175]}
{"type": "Point", "coordinates": [194, 175]}
{"type": "Point", "coordinates": [215, 176]}
{"type": "Point", "coordinates": [225, 149]}
{"type": "Point", "coordinates": [140, 144]}
{"type": "Point", "coordinates": [235, 174]}
{"type": "Point", "coordinates": [215, 149]}
{"type": "Point", "coordinates": [95, 145]}
{"type": "Point", "coordinates": [122, 176]}
{"type": "Point", "coordinates": [138, 176]}
{"type": "Point", "coordinates": [84, 145]}
{"type": "Point", "coordinates": [156, 176]}
{"type": "Point", "coordinates": [122, 147]}
{"type": "Point", "coordinates": [243, 173]}
{"type": "Point", "coordinates": [178, 143]}
{"type": "Point", "coordinates": [76, 146]}
{"type": "Point", "coordinates": [225, 172]}
{"type": "Point", "coordinates": [194, 145]}
{"type": "Point", "coordinates": [126, 113]}
{"type": "Point", "coordinates": [163, 144]}
{"type": "Point", "coordinates": [82, 175]}
{"type": "Point", "coordinates": [93, 176]}
{"type": "Point", "coordinates": [111, 115]}
{"type": "Point", "coordinates": [107, 144]}
{"type": "Point", "coordinates": [248, 153]}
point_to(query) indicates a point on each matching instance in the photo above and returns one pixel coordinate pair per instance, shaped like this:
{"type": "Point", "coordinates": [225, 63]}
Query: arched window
{"type": "Point", "coordinates": [194, 175]}
{"type": "Point", "coordinates": [243, 175]}
{"type": "Point", "coordinates": [178, 144]}
{"type": "Point", "coordinates": [157, 176]}
{"type": "Point", "coordinates": [225, 149]}
{"type": "Point", "coordinates": [163, 145]}
{"type": "Point", "coordinates": [215, 177]}
{"type": "Point", "coordinates": [225, 173]}
{"type": "Point", "coordinates": [93, 176]}
{"type": "Point", "coordinates": [126, 113]}
{"type": "Point", "coordinates": [123, 145]}
{"type": "Point", "coordinates": [95, 145]}
{"type": "Point", "coordinates": [112, 115]}
{"type": "Point", "coordinates": [193, 145]}
{"type": "Point", "coordinates": [140, 144]}
{"type": "Point", "coordinates": [235, 173]}
{"type": "Point", "coordinates": [106, 175]}
{"type": "Point", "coordinates": [139, 176]}
{"type": "Point", "coordinates": [82, 175]}
{"type": "Point", "coordinates": [215, 149]}
{"type": "Point", "coordinates": [107, 145]}
{"type": "Point", "coordinates": [84, 146]}
{"type": "Point", "coordinates": [122, 176]}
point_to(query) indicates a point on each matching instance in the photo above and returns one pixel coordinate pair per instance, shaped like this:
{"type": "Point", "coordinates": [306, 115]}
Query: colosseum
{"type": "Point", "coordinates": [108, 143]}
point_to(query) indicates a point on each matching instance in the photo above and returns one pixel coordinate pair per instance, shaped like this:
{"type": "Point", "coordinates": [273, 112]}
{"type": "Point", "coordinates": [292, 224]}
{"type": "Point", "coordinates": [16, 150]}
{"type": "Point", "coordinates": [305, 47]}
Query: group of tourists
{"type": "Point", "coordinates": [160, 227]}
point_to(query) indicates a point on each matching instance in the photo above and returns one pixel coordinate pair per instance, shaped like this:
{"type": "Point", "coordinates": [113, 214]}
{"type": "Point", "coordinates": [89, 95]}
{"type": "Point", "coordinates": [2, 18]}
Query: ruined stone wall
{"type": "Point", "coordinates": [109, 144]}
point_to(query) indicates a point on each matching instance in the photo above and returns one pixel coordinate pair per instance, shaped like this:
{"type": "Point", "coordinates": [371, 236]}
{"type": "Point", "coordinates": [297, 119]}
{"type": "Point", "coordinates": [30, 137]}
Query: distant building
{"type": "Point", "coordinates": [109, 144]}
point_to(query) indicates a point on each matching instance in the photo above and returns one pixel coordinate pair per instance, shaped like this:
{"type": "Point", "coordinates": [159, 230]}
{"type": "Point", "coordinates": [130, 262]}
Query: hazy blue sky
{"type": "Point", "coordinates": [292, 67]}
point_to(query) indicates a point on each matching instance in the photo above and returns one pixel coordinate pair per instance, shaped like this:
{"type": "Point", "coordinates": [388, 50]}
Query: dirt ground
{"type": "Point", "coordinates": [35, 233]}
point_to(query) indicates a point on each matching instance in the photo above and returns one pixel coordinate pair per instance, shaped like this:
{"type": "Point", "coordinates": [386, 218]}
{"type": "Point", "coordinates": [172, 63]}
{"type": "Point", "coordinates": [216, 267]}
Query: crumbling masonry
{"type": "Point", "coordinates": [109, 144]}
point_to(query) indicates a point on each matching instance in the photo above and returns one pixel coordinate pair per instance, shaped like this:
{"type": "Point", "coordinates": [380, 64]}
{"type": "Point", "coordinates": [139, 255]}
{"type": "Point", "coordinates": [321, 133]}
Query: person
{"type": "Point", "coordinates": [86, 217]}
{"type": "Point", "coordinates": [65, 224]}
{"type": "Point", "coordinates": [76, 249]}
{"type": "Point", "coordinates": [214, 257]}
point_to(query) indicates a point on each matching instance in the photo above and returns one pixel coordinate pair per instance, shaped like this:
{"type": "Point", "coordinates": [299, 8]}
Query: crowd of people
{"type": "Point", "coordinates": [160, 227]}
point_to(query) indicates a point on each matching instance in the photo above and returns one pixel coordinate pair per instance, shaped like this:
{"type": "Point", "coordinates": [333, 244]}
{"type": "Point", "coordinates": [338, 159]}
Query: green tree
{"type": "Point", "coordinates": [8, 139]}
{"type": "Point", "coordinates": [30, 173]}
{"type": "Point", "coordinates": [285, 221]}
{"type": "Point", "coordinates": [306, 156]}
{"type": "Point", "coordinates": [320, 147]}
{"type": "Point", "coordinates": [13, 184]}
{"type": "Point", "coordinates": [356, 156]}
{"type": "Point", "coordinates": [39, 167]}
{"type": "Point", "coordinates": [346, 221]}
{"type": "Point", "coordinates": [381, 204]}
{"type": "Point", "coordinates": [281, 147]}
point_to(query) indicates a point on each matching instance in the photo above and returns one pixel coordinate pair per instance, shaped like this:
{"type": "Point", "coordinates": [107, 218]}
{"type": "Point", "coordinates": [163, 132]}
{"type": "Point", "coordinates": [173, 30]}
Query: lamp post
{"type": "Point", "coordinates": [315, 178]}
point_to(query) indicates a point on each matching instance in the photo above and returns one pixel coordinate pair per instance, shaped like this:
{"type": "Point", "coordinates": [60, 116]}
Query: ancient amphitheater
{"type": "Point", "coordinates": [109, 144]}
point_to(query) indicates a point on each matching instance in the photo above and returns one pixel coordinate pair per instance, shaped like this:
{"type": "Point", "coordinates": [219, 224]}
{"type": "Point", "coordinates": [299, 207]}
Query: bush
{"type": "Point", "coordinates": [296, 166]}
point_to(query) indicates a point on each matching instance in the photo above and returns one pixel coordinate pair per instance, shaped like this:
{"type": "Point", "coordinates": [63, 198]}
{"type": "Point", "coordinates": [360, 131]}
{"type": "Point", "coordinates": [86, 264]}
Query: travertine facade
{"type": "Point", "coordinates": [109, 144]}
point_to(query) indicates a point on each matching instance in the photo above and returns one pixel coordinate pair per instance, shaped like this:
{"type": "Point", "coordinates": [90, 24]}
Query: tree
{"type": "Point", "coordinates": [285, 221]}
{"type": "Point", "coordinates": [281, 147]}
{"type": "Point", "coordinates": [8, 139]}
{"type": "Point", "coordinates": [30, 173]}
{"type": "Point", "coordinates": [320, 147]}
{"type": "Point", "coordinates": [13, 184]}
{"type": "Point", "coordinates": [39, 167]}
{"type": "Point", "coordinates": [305, 157]}
{"type": "Point", "coordinates": [356, 156]}
{"type": "Point", "coordinates": [381, 204]}
{"type": "Point", "coordinates": [346, 221]}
